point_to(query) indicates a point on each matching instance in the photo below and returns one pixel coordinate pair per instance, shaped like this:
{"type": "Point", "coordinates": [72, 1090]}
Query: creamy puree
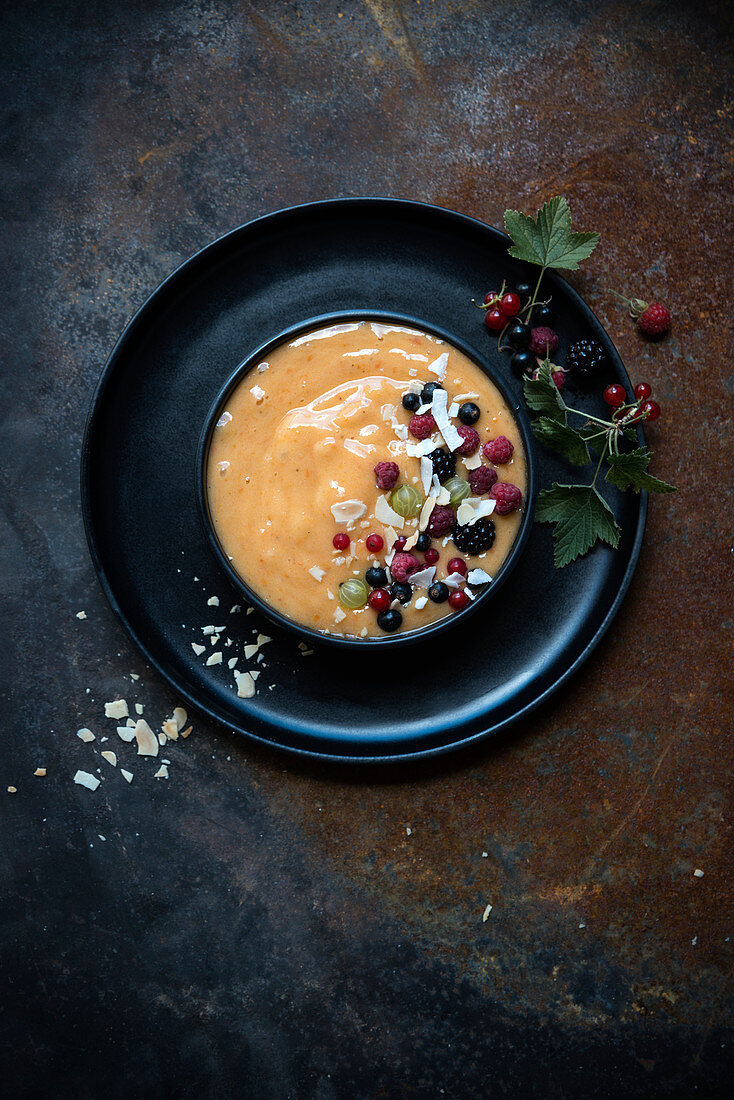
{"type": "Point", "coordinates": [303, 431]}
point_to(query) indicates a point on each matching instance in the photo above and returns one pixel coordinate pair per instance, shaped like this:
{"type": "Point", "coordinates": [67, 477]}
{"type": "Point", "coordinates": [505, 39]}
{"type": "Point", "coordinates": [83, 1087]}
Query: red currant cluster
{"type": "Point", "coordinates": [642, 408]}
{"type": "Point", "coordinates": [501, 307]}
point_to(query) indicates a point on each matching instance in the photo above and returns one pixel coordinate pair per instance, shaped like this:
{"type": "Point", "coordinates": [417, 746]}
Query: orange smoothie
{"type": "Point", "coordinates": [292, 464]}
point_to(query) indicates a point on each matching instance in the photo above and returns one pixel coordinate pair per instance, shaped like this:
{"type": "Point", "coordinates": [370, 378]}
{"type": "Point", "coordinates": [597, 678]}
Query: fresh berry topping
{"type": "Point", "coordinates": [353, 593]}
{"type": "Point", "coordinates": [401, 591]}
{"type": "Point", "coordinates": [524, 292]}
{"type": "Point", "coordinates": [403, 566]}
{"type": "Point", "coordinates": [543, 342]}
{"type": "Point", "coordinates": [474, 538]}
{"type": "Point", "coordinates": [399, 543]}
{"type": "Point", "coordinates": [559, 378]}
{"type": "Point", "coordinates": [406, 501]}
{"type": "Point", "coordinates": [643, 390]}
{"type": "Point", "coordinates": [508, 497]}
{"type": "Point", "coordinates": [379, 599]}
{"type": "Point", "coordinates": [389, 621]}
{"type": "Point", "coordinates": [543, 315]}
{"type": "Point", "coordinates": [471, 440]}
{"type": "Point", "coordinates": [432, 555]}
{"type": "Point", "coordinates": [469, 413]}
{"type": "Point", "coordinates": [490, 296]}
{"type": "Point", "coordinates": [387, 474]}
{"type": "Point", "coordinates": [424, 541]}
{"type": "Point", "coordinates": [438, 592]}
{"type": "Point", "coordinates": [518, 335]}
{"type": "Point", "coordinates": [341, 541]}
{"type": "Point", "coordinates": [482, 479]}
{"type": "Point", "coordinates": [411, 402]}
{"type": "Point", "coordinates": [456, 565]}
{"type": "Point", "coordinates": [459, 600]}
{"type": "Point", "coordinates": [499, 450]}
{"type": "Point", "coordinates": [510, 303]}
{"type": "Point", "coordinates": [650, 410]}
{"type": "Point", "coordinates": [444, 464]}
{"type": "Point", "coordinates": [615, 396]}
{"type": "Point", "coordinates": [585, 359]}
{"type": "Point", "coordinates": [495, 319]}
{"type": "Point", "coordinates": [376, 577]}
{"type": "Point", "coordinates": [421, 426]}
{"type": "Point", "coordinates": [441, 521]}
{"type": "Point", "coordinates": [428, 391]}
{"type": "Point", "coordinates": [374, 543]}
{"type": "Point", "coordinates": [458, 490]}
{"type": "Point", "coordinates": [654, 320]}
{"type": "Point", "coordinates": [522, 362]}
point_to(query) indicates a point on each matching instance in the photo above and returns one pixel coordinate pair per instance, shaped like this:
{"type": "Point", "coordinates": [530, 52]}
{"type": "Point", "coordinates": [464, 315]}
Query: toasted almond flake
{"type": "Point", "coordinates": [86, 779]}
{"type": "Point", "coordinates": [146, 739]}
{"type": "Point", "coordinates": [245, 685]}
{"type": "Point", "coordinates": [438, 366]}
{"type": "Point", "coordinates": [215, 658]}
{"type": "Point", "coordinates": [339, 615]}
{"type": "Point", "coordinates": [428, 506]}
{"type": "Point", "coordinates": [385, 514]}
{"type": "Point", "coordinates": [426, 473]}
{"type": "Point", "coordinates": [179, 717]}
{"type": "Point", "coordinates": [162, 739]}
{"type": "Point", "coordinates": [473, 462]}
{"type": "Point", "coordinates": [116, 709]}
{"type": "Point", "coordinates": [698, 873]}
{"type": "Point", "coordinates": [126, 775]}
{"type": "Point", "coordinates": [40, 772]}
{"type": "Point", "coordinates": [485, 915]}
{"type": "Point", "coordinates": [231, 662]}
{"type": "Point", "coordinates": [110, 757]}
{"type": "Point", "coordinates": [126, 733]}
{"type": "Point", "coordinates": [424, 578]}
{"type": "Point", "coordinates": [213, 601]}
{"type": "Point", "coordinates": [390, 538]}
{"type": "Point", "coordinates": [411, 541]}
{"type": "Point", "coordinates": [81, 614]}
{"type": "Point", "coordinates": [474, 508]}
{"type": "Point", "coordinates": [478, 576]}
{"type": "Point", "coordinates": [85, 735]}
{"type": "Point", "coordinates": [187, 731]}
{"type": "Point", "coordinates": [316, 573]}
{"type": "Point", "coordinates": [348, 511]}
{"type": "Point", "coordinates": [162, 772]}
{"type": "Point", "coordinates": [14, 790]}
{"type": "Point", "coordinates": [420, 603]}
{"type": "Point", "coordinates": [224, 419]}
{"type": "Point", "coordinates": [139, 708]}
{"type": "Point", "coordinates": [198, 649]}
{"type": "Point", "coordinates": [170, 728]}
{"type": "Point", "coordinates": [250, 651]}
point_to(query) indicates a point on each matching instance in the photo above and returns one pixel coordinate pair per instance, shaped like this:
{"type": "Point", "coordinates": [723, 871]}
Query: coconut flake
{"type": "Point", "coordinates": [420, 603]}
{"type": "Point", "coordinates": [215, 658]}
{"type": "Point", "coordinates": [126, 733]}
{"type": "Point", "coordinates": [339, 615]}
{"type": "Point", "coordinates": [428, 506]}
{"type": "Point", "coordinates": [474, 508]}
{"type": "Point", "coordinates": [258, 393]}
{"type": "Point", "coordinates": [110, 757]}
{"type": "Point", "coordinates": [473, 462]}
{"type": "Point", "coordinates": [390, 537]}
{"type": "Point", "coordinates": [162, 772]}
{"type": "Point", "coordinates": [478, 576]}
{"type": "Point", "coordinates": [410, 543]}
{"type": "Point", "coordinates": [224, 419]}
{"type": "Point", "coordinates": [198, 649]}
{"type": "Point", "coordinates": [116, 709]}
{"type": "Point", "coordinates": [347, 511]}
{"type": "Point", "coordinates": [424, 578]}
{"type": "Point", "coordinates": [170, 729]}
{"type": "Point", "coordinates": [454, 408]}
{"type": "Point", "coordinates": [245, 685]}
{"type": "Point", "coordinates": [40, 772]}
{"type": "Point", "coordinates": [126, 775]}
{"type": "Point", "coordinates": [213, 601]}
{"type": "Point", "coordinates": [85, 779]}
{"type": "Point", "coordinates": [461, 397]}
{"type": "Point", "coordinates": [146, 739]}
{"type": "Point", "coordinates": [438, 366]}
{"type": "Point", "coordinates": [439, 408]}
{"type": "Point", "coordinates": [84, 734]}
{"type": "Point", "coordinates": [385, 514]}
{"type": "Point", "coordinates": [454, 580]}
{"type": "Point", "coordinates": [316, 573]}
{"type": "Point", "coordinates": [426, 474]}
{"type": "Point", "coordinates": [419, 450]}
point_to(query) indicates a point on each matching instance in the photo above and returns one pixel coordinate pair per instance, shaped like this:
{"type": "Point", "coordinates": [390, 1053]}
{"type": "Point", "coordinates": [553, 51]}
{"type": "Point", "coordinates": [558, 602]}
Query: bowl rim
{"type": "Point", "coordinates": [412, 637]}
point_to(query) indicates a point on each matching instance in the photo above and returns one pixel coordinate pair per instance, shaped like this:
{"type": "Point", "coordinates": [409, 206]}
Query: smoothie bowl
{"type": "Point", "coordinates": [363, 481]}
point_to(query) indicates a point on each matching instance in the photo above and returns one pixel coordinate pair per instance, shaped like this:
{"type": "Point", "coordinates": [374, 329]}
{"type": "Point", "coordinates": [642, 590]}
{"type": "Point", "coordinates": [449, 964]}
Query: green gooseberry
{"type": "Point", "coordinates": [458, 489]}
{"type": "Point", "coordinates": [353, 593]}
{"type": "Point", "coordinates": [406, 501]}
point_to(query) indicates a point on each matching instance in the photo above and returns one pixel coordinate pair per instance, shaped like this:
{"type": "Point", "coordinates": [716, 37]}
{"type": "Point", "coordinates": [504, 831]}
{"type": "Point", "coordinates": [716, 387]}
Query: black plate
{"type": "Point", "coordinates": [147, 541]}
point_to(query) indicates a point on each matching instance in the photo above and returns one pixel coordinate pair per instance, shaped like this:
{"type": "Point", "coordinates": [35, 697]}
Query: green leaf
{"type": "Point", "coordinates": [630, 469]}
{"type": "Point", "coordinates": [581, 516]}
{"type": "Point", "coordinates": [548, 240]}
{"type": "Point", "coordinates": [563, 439]}
{"type": "Point", "coordinates": [542, 395]}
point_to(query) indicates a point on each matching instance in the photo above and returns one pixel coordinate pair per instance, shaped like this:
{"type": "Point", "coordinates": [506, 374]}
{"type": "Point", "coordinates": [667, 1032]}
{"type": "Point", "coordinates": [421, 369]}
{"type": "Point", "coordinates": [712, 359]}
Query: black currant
{"type": "Point", "coordinates": [544, 315]}
{"type": "Point", "coordinates": [525, 292]}
{"type": "Point", "coordinates": [376, 577]}
{"type": "Point", "coordinates": [427, 391]}
{"type": "Point", "coordinates": [411, 402]}
{"type": "Point", "coordinates": [389, 621]}
{"type": "Point", "coordinates": [469, 413]}
{"type": "Point", "coordinates": [518, 335]}
{"type": "Point", "coordinates": [522, 362]}
{"type": "Point", "coordinates": [399, 590]}
{"type": "Point", "coordinates": [438, 592]}
{"type": "Point", "coordinates": [424, 541]}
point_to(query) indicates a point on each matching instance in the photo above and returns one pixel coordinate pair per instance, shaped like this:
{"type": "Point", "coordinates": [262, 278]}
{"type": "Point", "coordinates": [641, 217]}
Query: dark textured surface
{"type": "Point", "coordinates": [252, 927]}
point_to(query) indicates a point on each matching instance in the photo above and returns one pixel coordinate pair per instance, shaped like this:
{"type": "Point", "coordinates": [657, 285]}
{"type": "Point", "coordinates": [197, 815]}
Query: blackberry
{"type": "Point", "coordinates": [411, 402]}
{"type": "Point", "coordinates": [474, 538]}
{"type": "Point", "coordinates": [444, 464]}
{"type": "Point", "coordinates": [399, 590]}
{"type": "Point", "coordinates": [424, 541]}
{"type": "Point", "coordinates": [427, 391]}
{"type": "Point", "coordinates": [438, 592]}
{"type": "Point", "coordinates": [584, 359]}
{"type": "Point", "coordinates": [376, 577]}
{"type": "Point", "coordinates": [469, 413]}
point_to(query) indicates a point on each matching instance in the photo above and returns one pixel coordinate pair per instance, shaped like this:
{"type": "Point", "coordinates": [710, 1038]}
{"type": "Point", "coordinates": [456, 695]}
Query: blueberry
{"type": "Point", "coordinates": [411, 402]}
{"type": "Point", "coordinates": [469, 413]}
{"type": "Point", "coordinates": [389, 620]}
{"type": "Point", "coordinates": [518, 335]}
{"type": "Point", "coordinates": [376, 577]}
{"type": "Point", "coordinates": [424, 541]}
{"type": "Point", "coordinates": [525, 292]}
{"type": "Point", "coordinates": [438, 592]}
{"type": "Point", "coordinates": [427, 391]}
{"type": "Point", "coordinates": [522, 363]}
{"type": "Point", "coordinates": [399, 590]}
{"type": "Point", "coordinates": [544, 315]}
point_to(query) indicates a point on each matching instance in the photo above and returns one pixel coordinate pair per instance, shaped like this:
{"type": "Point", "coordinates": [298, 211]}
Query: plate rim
{"type": "Point", "coordinates": [138, 319]}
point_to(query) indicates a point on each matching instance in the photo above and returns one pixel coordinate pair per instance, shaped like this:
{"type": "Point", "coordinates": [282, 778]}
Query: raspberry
{"type": "Point", "coordinates": [441, 521]}
{"type": "Point", "coordinates": [508, 497]}
{"type": "Point", "coordinates": [482, 479]}
{"type": "Point", "coordinates": [559, 377]}
{"type": "Point", "coordinates": [654, 320]}
{"type": "Point", "coordinates": [471, 440]}
{"type": "Point", "coordinates": [543, 342]}
{"type": "Point", "coordinates": [499, 450]}
{"type": "Point", "coordinates": [403, 566]}
{"type": "Point", "coordinates": [444, 464]}
{"type": "Point", "coordinates": [387, 474]}
{"type": "Point", "coordinates": [474, 538]}
{"type": "Point", "coordinates": [422, 426]}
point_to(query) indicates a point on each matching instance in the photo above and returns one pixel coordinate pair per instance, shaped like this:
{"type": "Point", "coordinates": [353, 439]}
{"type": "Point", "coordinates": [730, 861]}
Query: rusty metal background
{"type": "Point", "coordinates": [257, 927]}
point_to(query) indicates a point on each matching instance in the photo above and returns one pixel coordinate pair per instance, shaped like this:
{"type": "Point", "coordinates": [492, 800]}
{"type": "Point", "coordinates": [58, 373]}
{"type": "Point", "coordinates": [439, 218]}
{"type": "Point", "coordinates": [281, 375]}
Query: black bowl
{"type": "Point", "coordinates": [398, 639]}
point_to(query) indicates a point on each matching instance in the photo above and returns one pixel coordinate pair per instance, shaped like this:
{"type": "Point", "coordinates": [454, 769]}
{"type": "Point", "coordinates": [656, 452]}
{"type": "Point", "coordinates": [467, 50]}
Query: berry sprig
{"type": "Point", "coordinates": [653, 318]}
{"type": "Point", "coordinates": [579, 513]}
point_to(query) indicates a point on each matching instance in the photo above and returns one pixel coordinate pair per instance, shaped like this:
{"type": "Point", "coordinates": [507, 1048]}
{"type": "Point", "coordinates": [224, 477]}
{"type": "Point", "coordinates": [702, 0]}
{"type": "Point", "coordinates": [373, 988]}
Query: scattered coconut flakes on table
{"type": "Point", "coordinates": [162, 772]}
{"type": "Point", "coordinates": [116, 709]}
{"type": "Point", "coordinates": [85, 779]}
{"type": "Point", "coordinates": [126, 775]}
{"type": "Point", "coordinates": [110, 757]}
{"type": "Point", "coordinates": [40, 772]}
{"type": "Point", "coordinates": [81, 614]}
{"type": "Point", "coordinates": [179, 716]}
{"type": "Point", "coordinates": [235, 608]}
{"type": "Point", "coordinates": [245, 685]}
{"type": "Point", "coordinates": [170, 729]}
{"type": "Point", "coordinates": [215, 658]}
{"type": "Point", "coordinates": [213, 601]}
{"type": "Point", "coordinates": [250, 650]}
{"type": "Point", "coordinates": [139, 708]}
{"type": "Point", "coordinates": [198, 649]}
{"type": "Point", "coordinates": [231, 662]}
{"type": "Point", "coordinates": [14, 790]}
{"type": "Point", "coordinates": [126, 733]}
{"type": "Point", "coordinates": [85, 735]}
{"type": "Point", "coordinates": [187, 732]}
{"type": "Point", "coordinates": [698, 873]}
{"type": "Point", "coordinates": [146, 739]}
{"type": "Point", "coordinates": [485, 915]}
{"type": "Point", "coordinates": [263, 639]}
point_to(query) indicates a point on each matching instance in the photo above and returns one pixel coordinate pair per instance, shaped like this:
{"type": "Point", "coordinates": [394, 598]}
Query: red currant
{"type": "Point", "coordinates": [379, 599]}
{"type": "Point", "coordinates": [650, 410]}
{"type": "Point", "coordinates": [341, 541]}
{"type": "Point", "coordinates": [490, 296]}
{"type": "Point", "coordinates": [510, 303]}
{"type": "Point", "coordinates": [495, 319]}
{"type": "Point", "coordinates": [374, 543]}
{"type": "Point", "coordinates": [457, 565]}
{"type": "Point", "coordinates": [399, 543]}
{"type": "Point", "coordinates": [643, 390]}
{"type": "Point", "coordinates": [431, 555]}
{"type": "Point", "coordinates": [459, 600]}
{"type": "Point", "coordinates": [615, 395]}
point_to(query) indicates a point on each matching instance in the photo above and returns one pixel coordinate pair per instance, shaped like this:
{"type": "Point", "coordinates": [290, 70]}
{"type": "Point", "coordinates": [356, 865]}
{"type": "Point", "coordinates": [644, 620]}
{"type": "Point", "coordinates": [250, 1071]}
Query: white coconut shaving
{"type": "Point", "coordinates": [245, 685]}
{"type": "Point", "coordinates": [146, 739]}
{"type": "Point", "coordinates": [348, 511]}
{"type": "Point", "coordinates": [454, 580]}
{"type": "Point", "coordinates": [478, 576]}
{"type": "Point", "coordinates": [426, 474]}
{"type": "Point", "coordinates": [424, 578]}
{"type": "Point", "coordinates": [85, 779]}
{"type": "Point", "coordinates": [474, 508]}
{"type": "Point", "coordinates": [418, 450]}
{"type": "Point", "coordinates": [438, 366]}
{"type": "Point", "coordinates": [439, 408]}
{"type": "Point", "coordinates": [316, 573]}
{"type": "Point", "coordinates": [385, 514]}
{"type": "Point", "coordinates": [473, 462]}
